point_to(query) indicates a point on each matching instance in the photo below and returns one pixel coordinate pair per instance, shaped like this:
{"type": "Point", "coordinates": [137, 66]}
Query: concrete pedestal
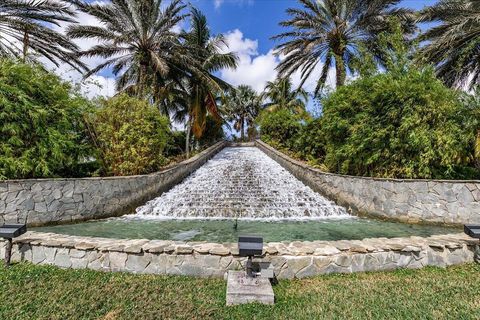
{"type": "Point", "coordinates": [242, 289]}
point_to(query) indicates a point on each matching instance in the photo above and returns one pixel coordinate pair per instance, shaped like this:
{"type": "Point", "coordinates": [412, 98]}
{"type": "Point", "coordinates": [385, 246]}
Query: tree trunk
{"type": "Point", "coordinates": [340, 71]}
{"type": "Point", "coordinates": [242, 134]}
{"type": "Point", "coordinates": [187, 138]}
{"type": "Point", "coordinates": [26, 42]}
{"type": "Point", "coordinates": [477, 150]}
{"type": "Point", "coordinates": [142, 80]}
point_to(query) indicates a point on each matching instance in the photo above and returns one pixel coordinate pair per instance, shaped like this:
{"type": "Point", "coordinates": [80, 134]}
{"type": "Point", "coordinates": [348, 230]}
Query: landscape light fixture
{"type": "Point", "coordinates": [8, 232]}
{"type": "Point", "coordinates": [251, 246]}
{"type": "Point", "coordinates": [472, 230]}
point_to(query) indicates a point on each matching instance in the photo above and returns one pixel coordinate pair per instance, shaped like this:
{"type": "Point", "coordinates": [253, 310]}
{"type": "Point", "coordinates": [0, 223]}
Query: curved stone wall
{"type": "Point", "coordinates": [48, 201]}
{"type": "Point", "coordinates": [290, 260]}
{"type": "Point", "coordinates": [436, 201]}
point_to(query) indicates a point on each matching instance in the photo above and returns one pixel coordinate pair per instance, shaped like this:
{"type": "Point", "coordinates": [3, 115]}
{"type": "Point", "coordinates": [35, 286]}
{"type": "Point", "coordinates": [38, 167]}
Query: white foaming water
{"type": "Point", "coordinates": [242, 183]}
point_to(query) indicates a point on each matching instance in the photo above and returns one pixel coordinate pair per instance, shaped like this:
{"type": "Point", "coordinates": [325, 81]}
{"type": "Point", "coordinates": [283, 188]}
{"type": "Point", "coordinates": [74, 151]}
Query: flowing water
{"type": "Point", "coordinates": [242, 183]}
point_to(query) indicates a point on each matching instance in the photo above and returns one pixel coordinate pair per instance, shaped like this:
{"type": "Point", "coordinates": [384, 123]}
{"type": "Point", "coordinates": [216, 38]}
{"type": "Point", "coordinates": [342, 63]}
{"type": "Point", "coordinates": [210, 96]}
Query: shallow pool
{"type": "Point", "coordinates": [224, 231]}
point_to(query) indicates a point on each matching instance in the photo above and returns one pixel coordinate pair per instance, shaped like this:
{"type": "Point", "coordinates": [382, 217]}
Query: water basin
{"type": "Point", "coordinates": [223, 230]}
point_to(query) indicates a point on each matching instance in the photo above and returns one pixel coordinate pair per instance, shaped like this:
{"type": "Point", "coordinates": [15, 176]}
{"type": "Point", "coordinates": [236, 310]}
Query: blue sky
{"type": "Point", "coordinates": [248, 26]}
{"type": "Point", "coordinates": [258, 19]}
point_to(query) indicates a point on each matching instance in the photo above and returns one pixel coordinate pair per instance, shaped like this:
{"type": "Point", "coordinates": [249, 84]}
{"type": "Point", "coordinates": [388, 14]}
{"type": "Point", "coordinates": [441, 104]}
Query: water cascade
{"type": "Point", "coordinates": [241, 183]}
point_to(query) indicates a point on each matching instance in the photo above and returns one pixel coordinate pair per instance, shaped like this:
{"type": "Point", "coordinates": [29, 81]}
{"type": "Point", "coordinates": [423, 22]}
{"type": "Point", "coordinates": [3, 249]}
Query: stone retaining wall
{"type": "Point", "coordinates": [49, 201]}
{"type": "Point", "coordinates": [437, 201]}
{"type": "Point", "coordinates": [290, 260]}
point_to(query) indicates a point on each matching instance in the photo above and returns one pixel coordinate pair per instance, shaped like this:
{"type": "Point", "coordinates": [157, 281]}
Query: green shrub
{"type": "Point", "coordinates": [310, 142]}
{"type": "Point", "coordinates": [131, 136]}
{"type": "Point", "coordinates": [397, 124]}
{"type": "Point", "coordinates": [41, 126]}
{"type": "Point", "coordinates": [472, 103]}
{"type": "Point", "coordinates": [280, 128]}
{"type": "Point", "coordinates": [213, 132]}
{"type": "Point", "coordinates": [176, 144]}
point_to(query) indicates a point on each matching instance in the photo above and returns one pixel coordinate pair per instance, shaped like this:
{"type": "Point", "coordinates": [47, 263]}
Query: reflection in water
{"type": "Point", "coordinates": [223, 231]}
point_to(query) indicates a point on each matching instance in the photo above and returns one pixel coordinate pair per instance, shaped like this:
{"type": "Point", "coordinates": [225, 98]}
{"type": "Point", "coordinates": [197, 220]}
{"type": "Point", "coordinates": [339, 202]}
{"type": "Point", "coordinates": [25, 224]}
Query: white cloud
{"type": "Point", "coordinates": [253, 69]}
{"type": "Point", "coordinates": [218, 3]}
{"type": "Point", "coordinates": [256, 69]}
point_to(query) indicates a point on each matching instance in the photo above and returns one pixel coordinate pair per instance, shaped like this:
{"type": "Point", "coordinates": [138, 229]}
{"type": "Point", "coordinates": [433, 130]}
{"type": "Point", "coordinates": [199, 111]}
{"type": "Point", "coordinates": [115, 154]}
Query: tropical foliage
{"type": "Point", "coordinates": [41, 132]}
{"type": "Point", "coordinates": [137, 41]}
{"type": "Point", "coordinates": [402, 122]}
{"type": "Point", "coordinates": [242, 105]}
{"type": "Point", "coordinates": [453, 43]}
{"type": "Point", "coordinates": [327, 34]}
{"type": "Point", "coordinates": [472, 104]}
{"type": "Point", "coordinates": [280, 128]}
{"type": "Point", "coordinates": [396, 125]}
{"type": "Point", "coordinates": [213, 132]}
{"type": "Point", "coordinates": [310, 143]}
{"type": "Point", "coordinates": [395, 120]}
{"type": "Point", "coordinates": [204, 87]}
{"type": "Point", "coordinates": [24, 32]}
{"type": "Point", "coordinates": [130, 135]}
{"type": "Point", "coordinates": [280, 95]}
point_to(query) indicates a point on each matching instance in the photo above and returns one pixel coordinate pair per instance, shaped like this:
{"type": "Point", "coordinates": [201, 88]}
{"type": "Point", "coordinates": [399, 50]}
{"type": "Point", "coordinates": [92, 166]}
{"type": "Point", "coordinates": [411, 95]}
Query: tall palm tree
{"type": "Point", "coordinates": [137, 40]}
{"type": "Point", "coordinates": [243, 106]}
{"type": "Point", "coordinates": [281, 96]}
{"type": "Point", "coordinates": [329, 32]}
{"type": "Point", "coordinates": [24, 32]}
{"type": "Point", "coordinates": [453, 44]}
{"type": "Point", "coordinates": [204, 87]}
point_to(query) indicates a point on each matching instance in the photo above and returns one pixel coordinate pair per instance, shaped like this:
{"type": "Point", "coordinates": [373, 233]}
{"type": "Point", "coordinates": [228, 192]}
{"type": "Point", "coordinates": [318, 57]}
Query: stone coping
{"type": "Point", "coordinates": [284, 248]}
{"type": "Point", "coordinates": [307, 167]}
{"type": "Point", "coordinates": [295, 259]}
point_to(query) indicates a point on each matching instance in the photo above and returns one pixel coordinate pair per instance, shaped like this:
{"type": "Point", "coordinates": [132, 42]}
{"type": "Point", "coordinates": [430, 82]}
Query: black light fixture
{"type": "Point", "coordinates": [8, 232]}
{"type": "Point", "coordinates": [472, 231]}
{"type": "Point", "coordinates": [250, 246]}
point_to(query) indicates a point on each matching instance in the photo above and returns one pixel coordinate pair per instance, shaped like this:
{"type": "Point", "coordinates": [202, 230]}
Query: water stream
{"type": "Point", "coordinates": [243, 183]}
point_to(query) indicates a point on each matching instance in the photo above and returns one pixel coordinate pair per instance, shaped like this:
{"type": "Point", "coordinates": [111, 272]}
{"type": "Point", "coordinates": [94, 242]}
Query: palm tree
{"type": "Point", "coordinates": [243, 106]}
{"type": "Point", "coordinates": [281, 96]}
{"type": "Point", "coordinates": [329, 32]}
{"type": "Point", "coordinates": [204, 87]}
{"type": "Point", "coordinates": [453, 44]}
{"type": "Point", "coordinates": [23, 29]}
{"type": "Point", "coordinates": [138, 42]}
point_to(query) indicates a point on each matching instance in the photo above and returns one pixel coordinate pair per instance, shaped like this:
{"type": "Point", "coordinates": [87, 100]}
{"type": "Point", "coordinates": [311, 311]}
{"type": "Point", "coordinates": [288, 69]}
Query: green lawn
{"type": "Point", "coordinates": [43, 292]}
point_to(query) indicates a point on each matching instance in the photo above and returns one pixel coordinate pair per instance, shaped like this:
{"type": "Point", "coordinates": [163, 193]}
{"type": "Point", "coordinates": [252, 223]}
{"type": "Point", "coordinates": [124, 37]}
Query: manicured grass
{"type": "Point", "coordinates": [43, 292]}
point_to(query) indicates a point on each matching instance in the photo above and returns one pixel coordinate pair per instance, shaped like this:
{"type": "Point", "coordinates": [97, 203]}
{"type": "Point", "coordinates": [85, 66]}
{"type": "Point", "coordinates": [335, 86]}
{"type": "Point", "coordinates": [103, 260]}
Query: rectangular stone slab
{"type": "Point", "coordinates": [242, 289]}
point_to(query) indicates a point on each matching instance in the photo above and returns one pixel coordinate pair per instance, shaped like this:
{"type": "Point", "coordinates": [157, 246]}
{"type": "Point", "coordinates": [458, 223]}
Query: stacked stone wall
{"type": "Point", "coordinates": [51, 201]}
{"type": "Point", "coordinates": [433, 201]}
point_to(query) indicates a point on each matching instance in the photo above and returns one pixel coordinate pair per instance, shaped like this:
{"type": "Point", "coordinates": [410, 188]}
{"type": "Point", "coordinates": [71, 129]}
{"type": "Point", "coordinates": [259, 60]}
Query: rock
{"type": "Point", "coordinates": [219, 250]}
{"type": "Point", "coordinates": [156, 246]}
{"type": "Point", "coordinates": [183, 249]}
{"type": "Point", "coordinates": [62, 258]}
{"type": "Point", "coordinates": [84, 246]}
{"type": "Point", "coordinates": [411, 249]}
{"type": "Point", "coordinates": [326, 250]}
{"type": "Point", "coordinates": [137, 263]}
{"type": "Point", "coordinates": [118, 260]}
